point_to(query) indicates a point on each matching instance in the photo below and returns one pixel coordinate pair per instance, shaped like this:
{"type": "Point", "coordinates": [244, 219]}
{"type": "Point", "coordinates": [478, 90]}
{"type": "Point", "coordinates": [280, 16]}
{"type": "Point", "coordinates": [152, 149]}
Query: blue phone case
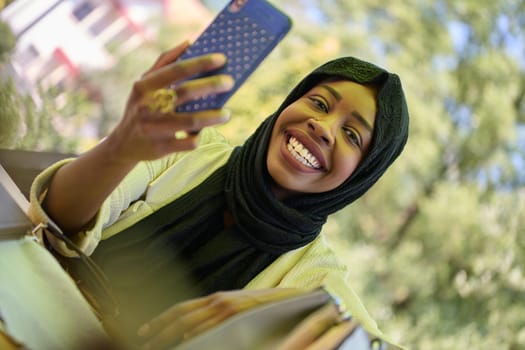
{"type": "Point", "coordinates": [246, 31]}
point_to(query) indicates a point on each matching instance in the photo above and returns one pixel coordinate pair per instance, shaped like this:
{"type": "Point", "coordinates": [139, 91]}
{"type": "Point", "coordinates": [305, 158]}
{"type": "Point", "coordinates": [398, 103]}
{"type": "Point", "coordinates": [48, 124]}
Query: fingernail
{"type": "Point", "coordinates": [143, 330]}
{"type": "Point", "coordinates": [218, 58]}
{"type": "Point", "coordinates": [180, 134]}
{"type": "Point", "coordinates": [228, 82]}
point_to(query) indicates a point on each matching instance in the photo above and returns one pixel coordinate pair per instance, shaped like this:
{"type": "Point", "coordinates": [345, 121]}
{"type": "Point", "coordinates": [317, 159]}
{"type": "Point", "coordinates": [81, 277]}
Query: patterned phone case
{"type": "Point", "coordinates": [246, 31]}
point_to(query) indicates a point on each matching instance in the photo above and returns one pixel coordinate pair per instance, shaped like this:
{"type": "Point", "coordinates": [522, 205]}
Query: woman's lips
{"type": "Point", "coordinates": [305, 151]}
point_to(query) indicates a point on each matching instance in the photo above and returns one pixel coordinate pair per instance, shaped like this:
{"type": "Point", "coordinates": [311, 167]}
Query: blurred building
{"type": "Point", "coordinates": [58, 39]}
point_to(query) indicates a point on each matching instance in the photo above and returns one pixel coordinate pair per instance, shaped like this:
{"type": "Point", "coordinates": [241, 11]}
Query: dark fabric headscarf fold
{"type": "Point", "coordinates": [188, 238]}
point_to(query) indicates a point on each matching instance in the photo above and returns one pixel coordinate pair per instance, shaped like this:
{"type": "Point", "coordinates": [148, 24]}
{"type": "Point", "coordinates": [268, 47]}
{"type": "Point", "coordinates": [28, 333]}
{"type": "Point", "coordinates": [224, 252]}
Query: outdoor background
{"type": "Point", "coordinates": [436, 250]}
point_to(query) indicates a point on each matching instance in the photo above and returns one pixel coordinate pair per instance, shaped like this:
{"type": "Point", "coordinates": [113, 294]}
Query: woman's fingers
{"type": "Point", "coordinates": [172, 334]}
{"type": "Point", "coordinates": [335, 336]}
{"type": "Point", "coordinates": [180, 323]}
{"type": "Point", "coordinates": [171, 315]}
{"type": "Point", "coordinates": [196, 88]}
{"type": "Point", "coordinates": [150, 127]}
{"type": "Point", "coordinates": [311, 328]}
{"type": "Point", "coordinates": [193, 317]}
{"type": "Point", "coordinates": [158, 125]}
{"type": "Point", "coordinates": [178, 71]}
{"type": "Point", "coordinates": [184, 328]}
{"type": "Point", "coordinates": [153, 134]}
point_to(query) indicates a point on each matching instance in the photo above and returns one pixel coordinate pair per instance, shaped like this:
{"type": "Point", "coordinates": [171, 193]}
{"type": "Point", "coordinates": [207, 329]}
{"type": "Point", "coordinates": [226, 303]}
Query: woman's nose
{"type": "Point", "coordinates": [322, 130]}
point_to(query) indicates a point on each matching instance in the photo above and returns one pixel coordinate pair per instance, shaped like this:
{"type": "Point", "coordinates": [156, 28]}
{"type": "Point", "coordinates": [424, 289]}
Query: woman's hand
{"type": "Point", "coordinates": [323, 330]}
{"type": "Point", "coordinates": [188, 319]}
{"type": "Point", "coordinates": [146, 133]}
{"type": "Point", "coordinates": [79, 188]}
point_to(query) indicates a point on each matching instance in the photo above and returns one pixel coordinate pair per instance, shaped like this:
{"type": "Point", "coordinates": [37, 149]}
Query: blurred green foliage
{"type": "Point", "coordinates": [49, 122]}
{"type": "Point", "coordinates": [436, 249]}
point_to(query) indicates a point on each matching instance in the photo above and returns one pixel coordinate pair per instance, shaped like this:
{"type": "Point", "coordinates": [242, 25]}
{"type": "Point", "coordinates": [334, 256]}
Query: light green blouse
{"type": "Point", "coordinates": [151, 185]}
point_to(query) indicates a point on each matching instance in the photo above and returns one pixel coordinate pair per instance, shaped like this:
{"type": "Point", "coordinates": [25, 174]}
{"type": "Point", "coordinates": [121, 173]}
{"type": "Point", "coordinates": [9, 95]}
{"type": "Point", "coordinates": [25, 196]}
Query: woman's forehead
{"type": "Point", "coordinates": [335, 79]}
{"type": "Point", "coordinates": [344, 89]}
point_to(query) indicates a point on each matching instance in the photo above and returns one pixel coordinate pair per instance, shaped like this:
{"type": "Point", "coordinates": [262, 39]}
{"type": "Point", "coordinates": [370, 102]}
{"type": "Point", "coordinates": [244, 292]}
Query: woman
{"type": "Point", "coordinates": [221, 218]}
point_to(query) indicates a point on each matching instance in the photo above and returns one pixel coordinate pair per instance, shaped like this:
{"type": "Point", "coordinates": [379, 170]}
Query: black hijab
{"type": "Point", "coordinates": [389, 136]}
{"type": "Point", "coordinates": [187, 239]}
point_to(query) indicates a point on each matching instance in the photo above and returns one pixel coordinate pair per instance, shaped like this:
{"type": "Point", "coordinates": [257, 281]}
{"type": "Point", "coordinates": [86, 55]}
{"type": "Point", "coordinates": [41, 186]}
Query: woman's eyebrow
{"type": "Point", "coordinates": [356, 114]}
{"type": "Point", "coordinates": [332, 91]}
{"type": "Point", "coordinates": [362, 120]}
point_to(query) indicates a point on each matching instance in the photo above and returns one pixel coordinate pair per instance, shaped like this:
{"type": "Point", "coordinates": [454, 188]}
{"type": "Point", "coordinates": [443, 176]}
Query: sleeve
{"type": "Point", "coordinates": [132, 188]}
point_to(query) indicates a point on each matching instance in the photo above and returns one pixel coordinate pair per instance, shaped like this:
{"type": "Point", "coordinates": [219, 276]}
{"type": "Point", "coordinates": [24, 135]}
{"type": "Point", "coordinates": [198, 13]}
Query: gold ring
{"type": "Point", "coordinates": [163, 100]}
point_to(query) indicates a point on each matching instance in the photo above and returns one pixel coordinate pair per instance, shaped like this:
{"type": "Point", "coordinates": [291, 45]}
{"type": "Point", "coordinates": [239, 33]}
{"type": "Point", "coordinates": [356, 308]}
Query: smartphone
{"type": "Point", "coordinates": [246, 31]}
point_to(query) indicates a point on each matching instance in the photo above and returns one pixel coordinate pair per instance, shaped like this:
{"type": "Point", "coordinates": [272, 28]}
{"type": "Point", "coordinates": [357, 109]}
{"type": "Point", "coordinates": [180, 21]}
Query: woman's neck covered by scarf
{"type": "Point", "coordinates": [268, 223]}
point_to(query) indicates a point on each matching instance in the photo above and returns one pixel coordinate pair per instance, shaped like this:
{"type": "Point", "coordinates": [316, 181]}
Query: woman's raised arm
{"type": "Point", "coordinates": [79, 188]}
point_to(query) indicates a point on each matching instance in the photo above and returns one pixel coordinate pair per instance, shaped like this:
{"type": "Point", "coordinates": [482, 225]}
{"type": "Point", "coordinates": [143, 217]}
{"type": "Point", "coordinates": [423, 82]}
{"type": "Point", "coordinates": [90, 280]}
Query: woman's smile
{"type": "Point", "coordinates": [302, 154]}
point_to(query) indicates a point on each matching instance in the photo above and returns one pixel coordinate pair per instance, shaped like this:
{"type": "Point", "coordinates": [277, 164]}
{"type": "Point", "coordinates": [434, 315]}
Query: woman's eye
{"type": "Point", "coordinates": [320, 104]}
{"type": "Point", "coordinates": [353, 136]}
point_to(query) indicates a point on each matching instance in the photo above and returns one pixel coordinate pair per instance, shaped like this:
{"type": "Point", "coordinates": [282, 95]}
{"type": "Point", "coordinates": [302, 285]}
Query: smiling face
{"type": "Point", "coordinates": [318, 140]}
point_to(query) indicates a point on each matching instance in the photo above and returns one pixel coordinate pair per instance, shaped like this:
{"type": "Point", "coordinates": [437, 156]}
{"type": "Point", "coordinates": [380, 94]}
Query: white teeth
{"type": "Point", "coordinates": [302, 154]}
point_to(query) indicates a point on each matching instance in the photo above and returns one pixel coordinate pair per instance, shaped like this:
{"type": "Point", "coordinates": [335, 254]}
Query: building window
{"type": "Point", "coordinates": [82, 10]}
